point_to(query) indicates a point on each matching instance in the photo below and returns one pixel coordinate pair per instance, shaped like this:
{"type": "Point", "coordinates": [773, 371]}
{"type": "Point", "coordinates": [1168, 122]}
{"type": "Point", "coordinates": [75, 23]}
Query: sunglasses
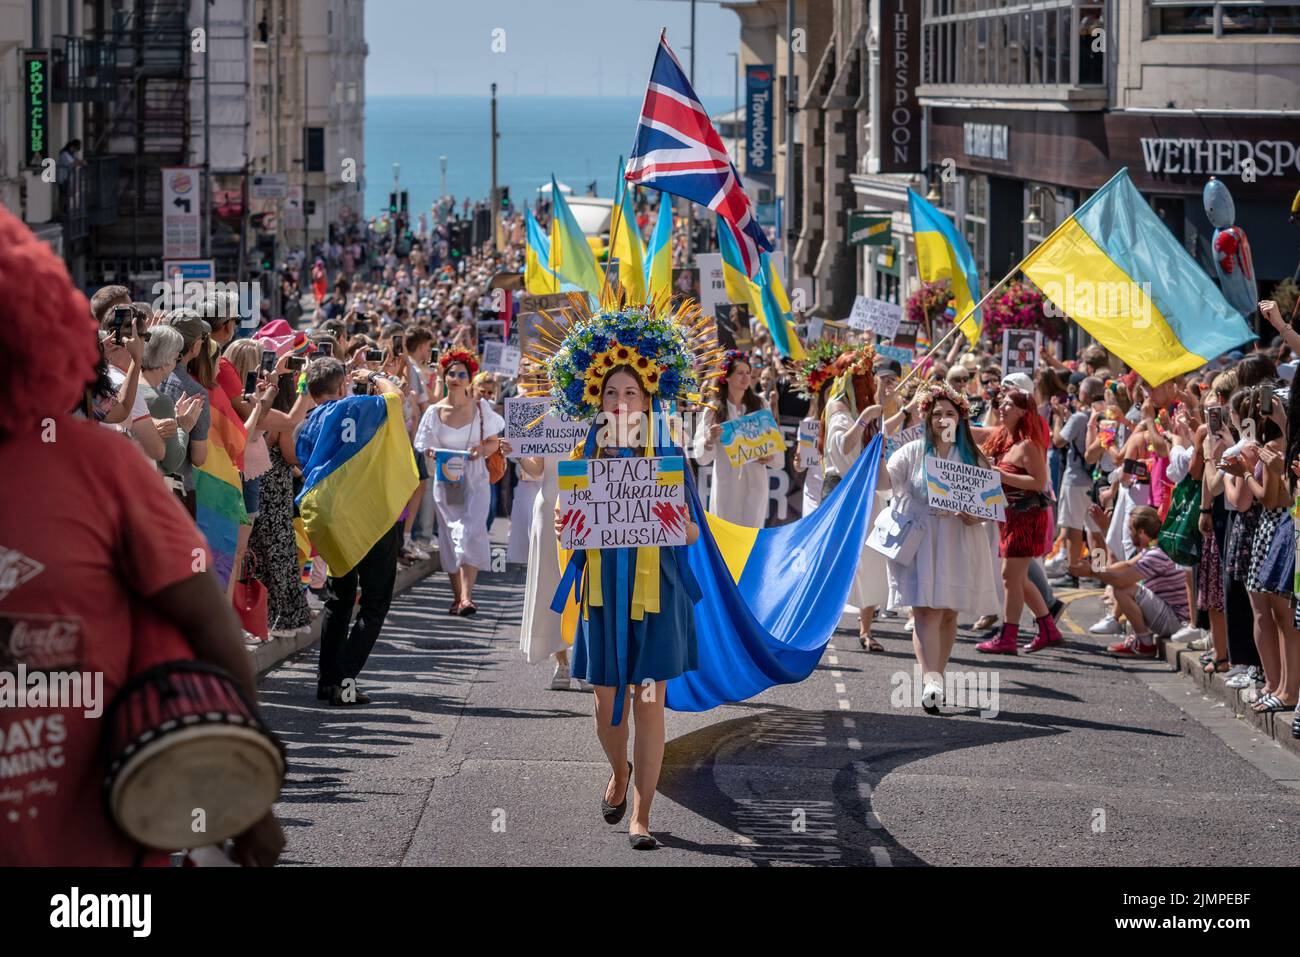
{"type": "Point", "coordinates": [457, 375]}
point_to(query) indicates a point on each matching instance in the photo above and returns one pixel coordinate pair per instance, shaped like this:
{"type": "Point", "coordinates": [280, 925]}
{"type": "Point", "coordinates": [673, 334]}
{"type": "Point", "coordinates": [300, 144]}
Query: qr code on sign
{"type": "Point", "coordinates": [522, 413]}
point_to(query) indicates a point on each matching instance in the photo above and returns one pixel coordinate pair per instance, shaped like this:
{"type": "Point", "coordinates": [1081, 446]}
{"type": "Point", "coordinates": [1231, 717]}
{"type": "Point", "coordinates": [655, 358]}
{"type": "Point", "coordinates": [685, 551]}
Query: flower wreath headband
{"type": "Point", "coordinates": [933, 392]}
{"type": "Point", "coordinates": [464, 357]}
{"type": "Point", "coordinates": [819, 368]}
{"type": "Point", "coordinates": [660, 344]}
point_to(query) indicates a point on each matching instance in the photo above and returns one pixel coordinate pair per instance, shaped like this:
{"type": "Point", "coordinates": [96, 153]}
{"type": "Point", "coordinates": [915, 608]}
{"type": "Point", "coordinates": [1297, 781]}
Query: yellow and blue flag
{"type": "Point", "coordinates": [765, 295]}
{"type": "Point", "coordinates": [659, 256]}
{"type": "Point", "coordinates": [358, 475]}
{"type": "Point", "coordinates": [942, 253]}
{"type": "Point", "coordinates": [571, 256]}
{"type": "Point", "coordinates": [539, 278]}
{"type": "Point", "coordinates": [627, 247]}
{"type": "Point", "coordinates": [1118, 271]}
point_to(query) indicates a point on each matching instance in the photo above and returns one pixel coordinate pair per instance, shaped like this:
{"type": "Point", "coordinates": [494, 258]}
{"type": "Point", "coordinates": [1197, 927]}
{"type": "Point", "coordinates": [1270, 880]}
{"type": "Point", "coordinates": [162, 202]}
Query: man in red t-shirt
{"type": "Point", "coordinates": [101, 572]}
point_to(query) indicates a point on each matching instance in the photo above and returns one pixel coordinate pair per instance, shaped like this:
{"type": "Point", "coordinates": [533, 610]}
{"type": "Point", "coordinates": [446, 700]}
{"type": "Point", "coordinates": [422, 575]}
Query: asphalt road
{"type": "Point", "coordinates": [466, 758]}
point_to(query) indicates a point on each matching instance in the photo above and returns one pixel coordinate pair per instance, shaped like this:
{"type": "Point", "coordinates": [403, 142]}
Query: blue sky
{"type": "Point", "coordinates": [567, 47]}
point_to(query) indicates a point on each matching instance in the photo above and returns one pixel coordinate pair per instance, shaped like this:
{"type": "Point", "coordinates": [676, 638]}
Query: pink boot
{"type": "Point", "coordinates": [1003, 644]}
{"type": "Point", "coordinates": [1048, 634]}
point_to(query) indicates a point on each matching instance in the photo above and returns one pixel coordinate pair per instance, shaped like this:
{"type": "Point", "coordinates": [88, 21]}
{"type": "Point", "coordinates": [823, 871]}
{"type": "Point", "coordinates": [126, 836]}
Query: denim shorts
{"type": "Point", "coordinates": [252, 495]}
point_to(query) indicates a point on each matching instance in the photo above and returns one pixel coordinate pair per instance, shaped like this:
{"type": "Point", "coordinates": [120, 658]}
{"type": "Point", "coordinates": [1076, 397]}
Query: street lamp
{"type": "Point", "coordinates": [1035, 217]}
{"type": "Point", "coordinates": [442, 188]}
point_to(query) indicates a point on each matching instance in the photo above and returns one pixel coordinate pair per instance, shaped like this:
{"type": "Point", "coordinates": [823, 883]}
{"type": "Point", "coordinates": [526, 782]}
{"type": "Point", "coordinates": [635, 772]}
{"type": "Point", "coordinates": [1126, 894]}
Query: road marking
{"type": "Point", "coordinates": [881, 857]}
{"type": "Point", "coordinates": [873, 821]}
{"type": "Point", "coordinates": [836, 674]}
{"type": "Point", "coordinates": [855, 744]}
{"type": "Point", "coordinates": [864, 790]}
{"type": "Point", "coordinates": [844, 704]}
{"type": "Point", "coordinates": [830, 646]}
{"type": "Point", "coordinates": [832, 659]}
{"type": "Point", "coordinates": [839, 687]}
{"type": "Point", "coordinates": [850, 723]}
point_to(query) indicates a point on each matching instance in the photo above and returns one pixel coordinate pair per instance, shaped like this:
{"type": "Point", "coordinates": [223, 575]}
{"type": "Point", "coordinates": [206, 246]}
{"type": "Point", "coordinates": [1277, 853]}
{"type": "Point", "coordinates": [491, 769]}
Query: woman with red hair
{"type": "Point", "coordinates": [1018, 449]}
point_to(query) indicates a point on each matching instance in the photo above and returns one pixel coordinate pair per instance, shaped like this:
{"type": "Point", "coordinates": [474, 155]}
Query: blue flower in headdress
{"type": "Point", "coordinates": [582, 358]}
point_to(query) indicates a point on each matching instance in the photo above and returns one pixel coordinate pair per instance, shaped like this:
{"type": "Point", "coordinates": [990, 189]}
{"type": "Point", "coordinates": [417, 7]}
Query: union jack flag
{"type": "Point", "coordinates": [678, 151]}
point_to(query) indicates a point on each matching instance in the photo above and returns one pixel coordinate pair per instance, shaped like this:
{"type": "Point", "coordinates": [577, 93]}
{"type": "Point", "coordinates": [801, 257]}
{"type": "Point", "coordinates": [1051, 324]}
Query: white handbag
{"type": "Point", "coordinates": [896, 536]}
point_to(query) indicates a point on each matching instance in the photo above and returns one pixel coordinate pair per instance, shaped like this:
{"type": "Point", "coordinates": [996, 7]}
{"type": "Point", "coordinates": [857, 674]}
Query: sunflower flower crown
{"type": "Point", "coordinates": [819, 368]}
{"type": "Point", "coordinates": [464, 357]}
{"type": "Point", "coordinates": [662, 345]}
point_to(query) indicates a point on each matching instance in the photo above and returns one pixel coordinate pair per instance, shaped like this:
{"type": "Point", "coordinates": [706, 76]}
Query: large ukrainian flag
{"type": "Point", "coordinates": [571, 255]}
{"type": "Point", "coordinates": [1116, 270]}
{"type": "Point", "coordinates": [627, 247]}
{"type": "Point", "coordinates": [765, 295]}
{"type": "Point", "coordinates": [942, 253]}
{"type": "Point", "coordinates": [539, 278]}
{"type": "Point", "coordinates": [659, 255]}
{"type": "Point", "coordinates": [358, 474]}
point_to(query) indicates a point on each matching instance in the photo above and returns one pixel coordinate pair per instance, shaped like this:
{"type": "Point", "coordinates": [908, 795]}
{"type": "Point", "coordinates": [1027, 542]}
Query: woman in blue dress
{"type": "Point", "coordinates": [622, 657]}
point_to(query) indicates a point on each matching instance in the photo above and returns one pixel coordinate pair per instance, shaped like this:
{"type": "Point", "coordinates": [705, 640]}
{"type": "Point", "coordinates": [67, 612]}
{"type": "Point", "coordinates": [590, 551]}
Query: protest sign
{"type": "Point", "coordinates": [1020, 349]}
{"type": "Point", "coordinates": [905, 335]}
{"type": "Point", "coordinates": [904, 357]}
{"type": "Point", "coordinates": [501, 359]}
{"type": "Point", "coordinates": [958, 487]}
{"type": "Point", "coordinates": [449, 465]}
{"type": "Point", "coordinates": [896, 441]}
{"type": "Point", "coordinates": [875, 315]}
{"type": "Point", "coordinates": [622, 502]}
{"type": "Point", "coordinates": [553, 437]}
{"type": "Point", "coordinates": [810, 431]}
{"type": "Point", "coordinates": [751, 437]}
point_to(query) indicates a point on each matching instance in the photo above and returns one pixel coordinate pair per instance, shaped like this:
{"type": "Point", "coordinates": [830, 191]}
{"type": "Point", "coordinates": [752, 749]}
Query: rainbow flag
{"type": "Point", "coordinates": [942, 253]}
{"type": "Point", "coordinates": [218, 488]}
{"type": "Point", "coordinates": [358, 474]}
{"type": "Point", "coordinates": [659, 255]}
{"type": "Point", "coordinates": [1117, 270]}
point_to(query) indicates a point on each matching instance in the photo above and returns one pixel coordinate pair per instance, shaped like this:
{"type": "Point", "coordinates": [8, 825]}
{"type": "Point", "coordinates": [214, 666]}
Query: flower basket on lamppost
{"type": "Point", "coordinates": [1019, 305]}
{"type": "Point", "coordinates": [928, 304]}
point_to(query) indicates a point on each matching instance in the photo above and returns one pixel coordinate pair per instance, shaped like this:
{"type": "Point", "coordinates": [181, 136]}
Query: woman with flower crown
{"type": "Point", "coordinates": [624, 368]}
{"type": "Point", "coordinates": [850, 421]}
{"type": "Point", "coordinates": [737, 494]}
{"type": "Point", "coordinates": [953, 569]}
{"type": "Point", "coordinates": [459, 422]}
{"type": "Point", "coordinates": [813, 381]}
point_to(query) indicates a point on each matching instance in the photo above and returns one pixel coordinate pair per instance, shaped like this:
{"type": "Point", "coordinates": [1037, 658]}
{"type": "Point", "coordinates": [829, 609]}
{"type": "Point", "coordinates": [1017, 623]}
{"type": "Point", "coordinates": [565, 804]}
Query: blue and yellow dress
{"type": "Point", "coordinates": [629, 631]}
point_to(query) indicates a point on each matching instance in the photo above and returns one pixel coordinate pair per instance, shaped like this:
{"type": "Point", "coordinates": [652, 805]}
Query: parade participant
{"type": "Point", "coordinates": [359, 543]}
{"type": "Point", "coordinates": [459, 422]}
{"type": "Point", "coordinates": [487, 389]}
{"type": "Point", "coordinates": [813, 381]}
{"type": "Point", "coordinates": [100, 565]}
{"type": "Point", "coordinates": [850, 421]}
{"type": "Point", "coordinates": [540, 635]}
{"type": "Point", "coordinates": [952, 570]}
{"type": "Point", "coordinates": [737, 494]}
{"type": "Point", "coordinates": [1018, 449]}
{"type": "Point", "coordinates": [623, 646]}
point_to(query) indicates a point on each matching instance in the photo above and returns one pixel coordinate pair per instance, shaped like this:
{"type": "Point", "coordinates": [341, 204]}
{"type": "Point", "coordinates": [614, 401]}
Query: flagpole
{"type": "Point", "coordinates": [613, 234]}
{"type": "Point", "coordinates": [916, 366]}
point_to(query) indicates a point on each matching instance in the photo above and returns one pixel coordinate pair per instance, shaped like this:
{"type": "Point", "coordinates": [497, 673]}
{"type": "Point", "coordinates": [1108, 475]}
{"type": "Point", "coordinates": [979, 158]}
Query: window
{"type": "Point", "coordinates": [1227, 18]}
{"type": "Point", "coordinates": [976, 220]}
{"type": "Point", "coordinates": [314, 148]}
{"type": "Point", "coordinates": [1018, 42]}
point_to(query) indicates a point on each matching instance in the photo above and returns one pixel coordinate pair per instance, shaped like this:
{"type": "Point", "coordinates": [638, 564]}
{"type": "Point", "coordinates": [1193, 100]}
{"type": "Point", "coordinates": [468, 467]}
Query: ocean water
{"type": "Point", "coordinates": [579, 139]}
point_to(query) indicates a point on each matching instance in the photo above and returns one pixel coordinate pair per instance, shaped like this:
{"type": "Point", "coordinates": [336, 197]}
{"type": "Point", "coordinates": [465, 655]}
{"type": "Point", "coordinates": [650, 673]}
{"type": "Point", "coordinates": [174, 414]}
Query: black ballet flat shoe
{"type": "Point", "coordinates": [613, 813]}
{"type": "Point", "coordinates": [325, 692]}
{"type": "Point", "coordinates": [643, 842]}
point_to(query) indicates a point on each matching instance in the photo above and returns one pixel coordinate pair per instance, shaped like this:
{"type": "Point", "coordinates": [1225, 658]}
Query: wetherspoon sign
{"type": "Point", "coordinates": [36, 106]}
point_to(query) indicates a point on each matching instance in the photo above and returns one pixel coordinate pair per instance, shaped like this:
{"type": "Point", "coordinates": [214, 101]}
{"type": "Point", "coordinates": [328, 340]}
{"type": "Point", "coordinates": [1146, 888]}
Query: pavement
{"type": "Point", "coordinates": [1068, 757]}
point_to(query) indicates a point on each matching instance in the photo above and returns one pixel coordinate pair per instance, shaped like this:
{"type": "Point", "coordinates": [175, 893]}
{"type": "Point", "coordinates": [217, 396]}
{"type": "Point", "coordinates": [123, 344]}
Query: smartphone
{"type": "Point", "coordinates": [398, 342]}
{"type": "Point", "coordinates": [121, 316]}
{"type": "Point", "coordinates": [1214, 419]}
{"type": "Point", "coordinates": [296, 363]}
{"type": "Point", "coordinates": [1266, 404]}
{"type": "Point", "coordinates": [374, 355]}
{"type": "Point", "coordinates": [250, 383]}
{"type": "Point", "coordinates": [268, 360]}
{"type": "Point", "coordinates": [1138, 469]}
{"type": "Point", "coordinates": [325, 348]}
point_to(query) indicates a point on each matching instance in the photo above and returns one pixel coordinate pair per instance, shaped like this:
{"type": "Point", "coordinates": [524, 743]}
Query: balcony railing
{"type": "Point", "coordinates": [88, 196]}
{"type": "Point", "coordinates": [82, 71]}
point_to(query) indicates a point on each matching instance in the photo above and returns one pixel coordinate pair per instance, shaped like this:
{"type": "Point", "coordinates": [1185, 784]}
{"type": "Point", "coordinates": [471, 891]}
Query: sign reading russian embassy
{"type": "Point", "coordinates": [36, 107]}
{"type": "Point", "coordinates": [552, 435]}
{"type": "Point", "coordinates": [958, 487]}
{"type": "Point", "coordinates": [875, 315]}
{"type": "Point", "coordinates": [758, 118]}
{"type": "Point", "coordinates": [751, 437]}
{"type": "Point", "coordinates": [622, 503]}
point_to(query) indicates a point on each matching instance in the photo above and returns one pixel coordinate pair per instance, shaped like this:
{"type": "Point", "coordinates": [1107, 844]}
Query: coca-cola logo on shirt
{"type": "Point", "coordinates": [40, 643]}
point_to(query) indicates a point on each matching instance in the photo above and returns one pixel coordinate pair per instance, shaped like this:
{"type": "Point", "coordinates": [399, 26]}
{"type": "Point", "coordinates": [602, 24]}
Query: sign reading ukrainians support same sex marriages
{"type": "Point", "coordinates": [958, 487]}
{"type": "Point", "coordinates": [622, 502]}
{"type": "Point", "coordinates": [751, 437]}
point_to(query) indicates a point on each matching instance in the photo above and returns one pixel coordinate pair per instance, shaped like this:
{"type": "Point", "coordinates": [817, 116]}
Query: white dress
{"type": "Point", "coordinates": [521, 518]}
{"type": "Point", "coordinates": [956, 565]}
{"type": "Point", "coordinates": [462, 518]}
{"type": "Point", "coordinates": [539, 634]}
{"type": "Point", "coordinates": [843, 445]}
{"type": "Point", "coordinates": [738, 495]}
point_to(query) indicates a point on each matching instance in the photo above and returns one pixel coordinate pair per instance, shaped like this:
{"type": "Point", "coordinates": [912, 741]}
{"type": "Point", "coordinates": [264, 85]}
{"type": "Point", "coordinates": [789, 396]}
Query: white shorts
{"type": "Point", "coordinates": [1072, 507]}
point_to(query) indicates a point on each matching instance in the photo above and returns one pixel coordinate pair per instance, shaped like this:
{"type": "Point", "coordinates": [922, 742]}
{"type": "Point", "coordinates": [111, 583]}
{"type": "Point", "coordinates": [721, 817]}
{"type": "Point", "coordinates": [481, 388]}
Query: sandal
{"type": "Point", "coordinates": [455, 608]}
{"type": "Point", "coordinates": [1206, 658]}
{"type": "Point", "coordinates": [1270, 703]}
{"type": "Point", "coordinates": [1212, 667]}
{"type": "Point", "coordinates": [467, 608]}
{"type": "Point", "coordinates": [870, 644]}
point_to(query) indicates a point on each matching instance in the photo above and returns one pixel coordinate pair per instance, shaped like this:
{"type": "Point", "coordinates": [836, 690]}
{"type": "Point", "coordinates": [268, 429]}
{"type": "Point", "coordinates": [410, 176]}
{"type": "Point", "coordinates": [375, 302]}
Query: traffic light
{"type": "Point", "coordinates": [405, 199]}
{"type": "Point", "coordinates": [504, 192]}
{"type": "Point", "coordinates": [266, 251]}
{"type": "Point", "coordinates": [392, 203]}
